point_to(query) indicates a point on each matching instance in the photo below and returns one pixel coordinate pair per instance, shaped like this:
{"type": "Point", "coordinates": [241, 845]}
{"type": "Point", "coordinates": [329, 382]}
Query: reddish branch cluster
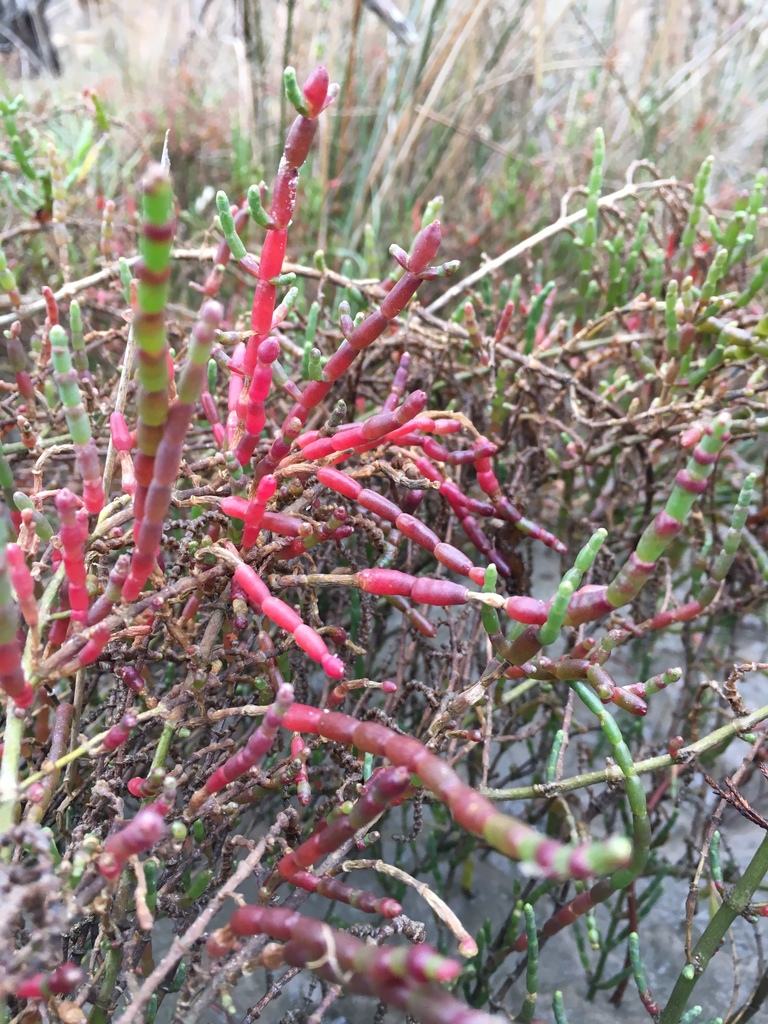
{"type": "Point", "coordinates": [404, 977]}
{"type": "Point", "coordinates": [165, 410]}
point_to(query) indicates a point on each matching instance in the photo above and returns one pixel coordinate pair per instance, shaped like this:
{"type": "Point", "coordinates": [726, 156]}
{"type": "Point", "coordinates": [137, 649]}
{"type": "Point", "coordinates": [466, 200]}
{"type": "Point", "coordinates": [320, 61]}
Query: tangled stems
{"type": "Point", "coordinates": [258, 745]}
{"type": "Point", "coordinates": [469, 809]}
{"type": "Point", "coordinates": [385, 787]}
{"type": "Point", "coordinates": [593, 602]}
{"type": "Point", "coordinates": [357, 339]}
{"type": "Point", "coordinates": [641, 829]}
{"type": "Point", "coordinates": [215, 643]}
{"type": "Point", "coordinates": [735, 902]}
{"type": "Point", "coordinates": [404, 977]}
{"type": "Point", "coordinates": [569, 606]}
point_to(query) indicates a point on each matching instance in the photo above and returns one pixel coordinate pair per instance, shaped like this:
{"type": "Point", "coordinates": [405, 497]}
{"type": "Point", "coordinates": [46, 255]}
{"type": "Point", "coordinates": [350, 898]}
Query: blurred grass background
{"type": "Point", "coordinates": [493, 103]}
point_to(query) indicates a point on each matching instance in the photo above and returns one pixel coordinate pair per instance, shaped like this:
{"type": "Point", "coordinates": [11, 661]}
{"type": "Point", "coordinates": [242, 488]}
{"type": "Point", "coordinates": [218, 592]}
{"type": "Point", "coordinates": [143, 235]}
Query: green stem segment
{"type": "Point", "coordinates": [734, 903]}
{"type": "Point", "coordinates": [558, 610]}
{"type": "Point", "coordinates": [86, 455]}
{"type": "Point", "coordinates": [168, 453]}
{"type": "Point", "coordinates": [638, 972]}
{"type": "Point", "coordinates": [689, 484]}
{"type": "Point", "coordinates": [532, 967]}
{"type": "Point", "coordinates": [641, 829]}
{"type": "Point", "coordinates": [469, 808]}
{"type": "Point", "coordinates": [720, 566]}
{"type": "Point", "coordinates": [593, 602]}
{"type": "Point", "coordinates": [152, 272]}
{"type": "Point", "coordinates": [79, 355]}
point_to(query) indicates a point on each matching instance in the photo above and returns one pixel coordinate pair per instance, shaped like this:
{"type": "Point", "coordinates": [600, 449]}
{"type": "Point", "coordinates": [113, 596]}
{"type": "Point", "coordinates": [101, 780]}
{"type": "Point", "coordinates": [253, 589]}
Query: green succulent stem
{"type": "Point", "coordinates": [558, 610]}
{"type": "Point", "coordinates": [689, 484]}
{"type": "Point", "coordinates": [532, 967]}
{"type": "Point", "coordinates": [735, 902]}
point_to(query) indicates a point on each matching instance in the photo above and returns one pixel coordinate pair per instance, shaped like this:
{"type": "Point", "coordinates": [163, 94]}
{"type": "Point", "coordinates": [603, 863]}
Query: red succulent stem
{"type": "Point", "coordinates": [374, 429]}
{"type": "Point", "coordinates": [97, 641]}
{"type": "Point", "coordinates": [422, 589]}
{"type": "Point", "coordinates": [333, 889]}
{"type": "Point", "coordinates": [469, 808]}
{"type": "Point", "coordinates": [504, 507]}
{"type": "Point", "coordinates": [255, 749]}
{"type": "Point", "coordinates": [51, 306]}
{"type": "Point", "coordinates": [262, 350]}
{"type": "Point", "coordinates": [276, 522]}
{"type": "Point", "coordinates": [384, 787]}
{"type": "Point", "coordinates": [60, 982]}
{"type": "Point", "coordinates": [13, 681]}
{"type": "Point", "coordinates": [212, 415]}
{"type": "Point", "coordinates": [140, 834]}
{"type": "Point", "coordinates": [405, 435]}
{"type": "Point", "coordinates": [314, 942]}
{"type": "Point", "coordinates": [122, 437]}
{"type": "Point", "coordinates": [448, 555]}
{"type": "Point", "coordinates": [404, 976]}
{"type": "Point", "coordinates": [463, 507]}
{"type": "Point", "coordinates": [17, 357]}
{"type": "Point", "coordinates": [437, 451]}
{"type": "Point", "coordinates": [103, 605]}
{"type": "Point", "coordinates": [73, 532]}
{"type": "Point", "coordinates": [335, 529]}
{"type": "Point", "coordinates": [308, 639]}
{"type": "Point", "coordinates": [361, 337]}
{"type": "Point", "coordinates": [57, 634]}
{"type": "Point", "coordinates": [132, 678]}
{"type": "Point", "coordinates": [254, 514]}
{"type": "Point", "coordinates": [399, 382]}
{"type": "Point", "coordinates": [119, 733]}
{"type": "Point", "coordinates": [22, 583]}
{"type": "Point", "coordinates": [338, 693]}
